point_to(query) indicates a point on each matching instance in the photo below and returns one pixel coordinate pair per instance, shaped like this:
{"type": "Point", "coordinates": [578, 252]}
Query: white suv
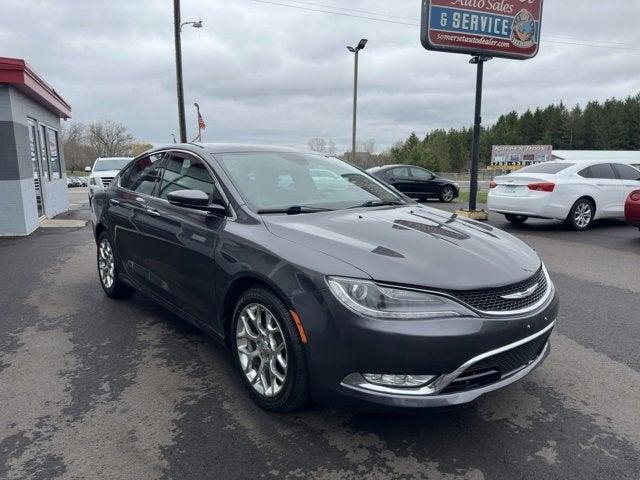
{"type": "Point", "coordinates": [103, 171]}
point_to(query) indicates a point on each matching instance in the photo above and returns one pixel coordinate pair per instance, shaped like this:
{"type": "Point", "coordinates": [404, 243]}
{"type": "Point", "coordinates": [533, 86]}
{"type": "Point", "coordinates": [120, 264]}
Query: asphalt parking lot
{"type": "Point", "coordinates": [98, 389]}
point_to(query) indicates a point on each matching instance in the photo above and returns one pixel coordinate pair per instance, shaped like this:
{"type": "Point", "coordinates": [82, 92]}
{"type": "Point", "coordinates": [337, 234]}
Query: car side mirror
{"type": "Point", "coordinates": [196, 200]}
{"type": "Point", "coordinates": [87, 169]}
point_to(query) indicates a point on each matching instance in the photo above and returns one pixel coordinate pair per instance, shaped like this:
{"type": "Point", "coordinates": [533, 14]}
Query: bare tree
{"type": "Point", "coordinates": [318, 145]}
{"type": "Point", "coordinates": [109, 139]}
{"type": "Point", "coordinates": [331, 149]}
{"type": "Point", "coordinates": [77, 153]}
{"type": "Point", "coordinates": [138, 148]}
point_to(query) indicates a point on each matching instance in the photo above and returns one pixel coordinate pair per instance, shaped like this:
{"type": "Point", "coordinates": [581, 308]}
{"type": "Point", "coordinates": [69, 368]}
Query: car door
{"type": "Point", "coordinates": [126, 212]}
{"type": "Point", "coordinates": [607, 189]}
{"type": "Point", "coordinates": [181, 241]}
{"type": "Point", "coordinates": [423, 182]}
{"type": "Point", "coordinates": [400, 178]}
{"type": "Point", "coordinates": [629, 178]}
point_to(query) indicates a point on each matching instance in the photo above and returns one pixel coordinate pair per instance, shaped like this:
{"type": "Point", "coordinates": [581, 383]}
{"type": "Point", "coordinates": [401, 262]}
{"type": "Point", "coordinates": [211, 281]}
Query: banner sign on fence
{"type": "Point", "coordinates": [495, 28]}
{"type": "Point", "coordinates": [520, 155]}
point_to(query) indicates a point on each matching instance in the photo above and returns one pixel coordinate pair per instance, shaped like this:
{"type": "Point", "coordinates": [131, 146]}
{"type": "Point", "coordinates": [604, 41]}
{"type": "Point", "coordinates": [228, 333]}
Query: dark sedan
{"type": "Point", "coordinates": [324, 283]}
{"type": "Point", "coordinates": [417, 182]}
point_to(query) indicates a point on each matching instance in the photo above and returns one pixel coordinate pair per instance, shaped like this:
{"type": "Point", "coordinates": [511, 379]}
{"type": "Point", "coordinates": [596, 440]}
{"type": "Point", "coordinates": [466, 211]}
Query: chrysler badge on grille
{"type": "Point", "coordinates": [520, 295]}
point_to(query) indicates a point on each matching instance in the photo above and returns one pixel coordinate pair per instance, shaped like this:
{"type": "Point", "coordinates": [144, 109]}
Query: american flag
{"type": "Point", "coordinates": [201, 124]}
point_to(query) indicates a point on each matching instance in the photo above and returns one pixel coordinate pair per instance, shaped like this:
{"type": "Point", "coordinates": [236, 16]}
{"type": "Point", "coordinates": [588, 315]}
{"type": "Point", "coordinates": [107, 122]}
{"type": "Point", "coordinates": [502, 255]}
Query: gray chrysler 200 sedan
{"type": "Point", "coordinates": [324, 282]}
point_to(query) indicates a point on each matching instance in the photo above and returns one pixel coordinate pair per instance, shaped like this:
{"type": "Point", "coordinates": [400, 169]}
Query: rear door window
{"type": "Point", "coordinates": [402, 172]}
{"type": "Point", "coordinates": [600, 171]}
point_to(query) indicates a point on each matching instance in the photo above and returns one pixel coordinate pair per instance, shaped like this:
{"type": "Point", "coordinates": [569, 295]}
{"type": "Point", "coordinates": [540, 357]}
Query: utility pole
{"type": "Point", "coordinates": [177, 32]}
{"type": "Point", "coordinates": [177, 26]}
{"type": "Point", "coordinates": [356, 51]}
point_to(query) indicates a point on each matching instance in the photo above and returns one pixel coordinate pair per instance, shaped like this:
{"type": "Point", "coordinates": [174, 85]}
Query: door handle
{"type": "Point", "coordinates": [153, 212]}
{"type": "Point", "coordinates": [140, 200]}
{"type": "Point", "coordinates": [114, 202]}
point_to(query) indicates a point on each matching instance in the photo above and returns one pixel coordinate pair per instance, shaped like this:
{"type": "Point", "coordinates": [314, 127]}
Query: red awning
{"type": "Point", "coordinates": [18, 73]}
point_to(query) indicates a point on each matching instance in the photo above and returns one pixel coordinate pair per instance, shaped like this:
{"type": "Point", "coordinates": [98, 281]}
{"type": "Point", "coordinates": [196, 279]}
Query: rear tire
{"type": "Point", "coordinates": [447, 194]}
{"type": "Point", "coordinates": [109, 268]}
{"type": "Point", "coordinates": [268, 352]}
{"type": "Point", "coordinates": [581, 215]}
{"type": "Point", "coordinates": [516, 219]}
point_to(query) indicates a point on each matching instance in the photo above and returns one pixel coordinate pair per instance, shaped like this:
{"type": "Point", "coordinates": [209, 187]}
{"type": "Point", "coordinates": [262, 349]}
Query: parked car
{"type": "Point", "coordinates": [575, 192]}
{"type": "Point", "coordinates": [353, 295]}
{"type": "Point", "coordinates": [632, 208]}
{"type": "Point", "coordinates": [417, 182]}
{"type": "Point", "coordinates": [102, 173]}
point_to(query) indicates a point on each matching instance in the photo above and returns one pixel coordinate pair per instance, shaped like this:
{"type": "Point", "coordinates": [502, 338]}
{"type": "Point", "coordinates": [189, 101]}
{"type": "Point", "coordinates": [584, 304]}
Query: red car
{"type": "Point", "coordinates": [632, 208]}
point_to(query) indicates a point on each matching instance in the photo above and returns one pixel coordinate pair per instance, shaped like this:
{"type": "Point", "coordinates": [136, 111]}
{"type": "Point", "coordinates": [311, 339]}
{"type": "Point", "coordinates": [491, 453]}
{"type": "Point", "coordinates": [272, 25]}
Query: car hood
{"type": "Point", "coordinates": [105, 173]}
{"type": "Point", "coordinates": [413, 245]}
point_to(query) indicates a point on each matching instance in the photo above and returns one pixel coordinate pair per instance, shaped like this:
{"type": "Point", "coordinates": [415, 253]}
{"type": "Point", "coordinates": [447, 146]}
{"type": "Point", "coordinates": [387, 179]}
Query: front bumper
{"type": "Point", "coordinates": [342, 346]}
{"type": "Point", "coordinates": [433, 395]}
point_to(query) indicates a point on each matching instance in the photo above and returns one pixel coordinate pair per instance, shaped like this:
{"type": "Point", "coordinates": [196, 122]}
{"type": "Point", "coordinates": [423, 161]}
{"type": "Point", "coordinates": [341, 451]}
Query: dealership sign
{"type": "Point", "coordinates": [494, 28]}
{"type": "Point", "coordinates": [520, 155]}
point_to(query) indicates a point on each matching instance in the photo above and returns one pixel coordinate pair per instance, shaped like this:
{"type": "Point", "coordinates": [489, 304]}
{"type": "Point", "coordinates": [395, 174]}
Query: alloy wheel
{"type": "Point", "coordinates": [583, 214]}
{"type": "Point", "coordinates": [447, 194]}
{"type": "Point", "coordinates": [262, 349]}
{"type": "Point", "coordinates": [106, 263]}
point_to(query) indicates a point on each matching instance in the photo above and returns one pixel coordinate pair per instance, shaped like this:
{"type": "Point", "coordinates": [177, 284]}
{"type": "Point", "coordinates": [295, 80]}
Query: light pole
{"type": "Point", "coordinates": [355, 50]}
{"type": "Point", "coordinates": [177, 29]}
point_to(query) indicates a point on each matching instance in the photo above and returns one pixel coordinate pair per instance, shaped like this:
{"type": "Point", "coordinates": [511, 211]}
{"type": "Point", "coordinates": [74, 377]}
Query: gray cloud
{"type": "Point", "coordinates": [264, 73]}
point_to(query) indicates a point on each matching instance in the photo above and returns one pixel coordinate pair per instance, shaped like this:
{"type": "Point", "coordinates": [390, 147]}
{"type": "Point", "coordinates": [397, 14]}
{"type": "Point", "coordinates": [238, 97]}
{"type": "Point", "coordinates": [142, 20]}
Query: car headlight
{"type": "Point", "coordinates": [367, 298]}
{"type": "Point", "coordinates": [92, 181]}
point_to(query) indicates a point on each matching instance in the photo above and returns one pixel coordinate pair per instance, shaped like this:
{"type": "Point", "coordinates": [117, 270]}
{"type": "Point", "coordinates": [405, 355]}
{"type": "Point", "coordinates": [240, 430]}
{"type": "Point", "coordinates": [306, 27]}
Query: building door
{"type": "Point", "coordinates": [36, 165]}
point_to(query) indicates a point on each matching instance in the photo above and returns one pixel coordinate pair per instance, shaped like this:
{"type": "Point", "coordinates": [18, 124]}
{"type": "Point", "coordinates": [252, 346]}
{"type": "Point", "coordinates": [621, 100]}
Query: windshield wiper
{"type": "Point", "coordinates": [381, 203]}
{"type": "Point", "coordinates": [295, 210]}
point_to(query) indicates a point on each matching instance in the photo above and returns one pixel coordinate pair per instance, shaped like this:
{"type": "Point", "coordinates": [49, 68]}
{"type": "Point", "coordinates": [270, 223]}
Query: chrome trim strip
{"type": "Point", "coordinates": [356, 381]}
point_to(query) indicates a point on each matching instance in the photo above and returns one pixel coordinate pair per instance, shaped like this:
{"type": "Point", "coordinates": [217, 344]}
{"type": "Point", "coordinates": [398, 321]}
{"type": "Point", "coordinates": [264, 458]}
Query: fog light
{"type": "Point", "coordinates": [402, 381]}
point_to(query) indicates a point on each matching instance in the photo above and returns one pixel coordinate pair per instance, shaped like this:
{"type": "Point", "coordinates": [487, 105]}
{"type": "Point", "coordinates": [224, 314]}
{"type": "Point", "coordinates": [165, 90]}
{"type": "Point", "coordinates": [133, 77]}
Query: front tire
{"type": "Point", "coordinates": [447, 194]}
{"type": "Point", "coordinates": [516, 219]}
{"type": "Point", "coordinates": [581, 215]}
{"type": "Point", "coordinates": [109, 269]}
{"type": "Point", "coordinates": [268, 352]}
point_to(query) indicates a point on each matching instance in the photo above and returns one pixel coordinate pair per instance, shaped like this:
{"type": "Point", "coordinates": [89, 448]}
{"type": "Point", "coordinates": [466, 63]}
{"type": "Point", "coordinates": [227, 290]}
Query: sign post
{"type": "Point", "coordinates": [483, 29]}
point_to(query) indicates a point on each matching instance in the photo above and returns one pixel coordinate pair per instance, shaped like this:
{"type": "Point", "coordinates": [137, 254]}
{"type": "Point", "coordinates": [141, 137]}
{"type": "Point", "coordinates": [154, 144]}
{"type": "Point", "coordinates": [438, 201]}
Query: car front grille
{"type": "Point", "coordinates": [498, 366]}
{"type": "Point", "coordinates": [492, 299]}
{"type": "Point", "coordinates": [106, 181]}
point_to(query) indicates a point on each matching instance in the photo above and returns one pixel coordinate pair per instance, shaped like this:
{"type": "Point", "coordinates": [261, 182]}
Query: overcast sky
{"type": "Point", "coordinates": [265, 73]}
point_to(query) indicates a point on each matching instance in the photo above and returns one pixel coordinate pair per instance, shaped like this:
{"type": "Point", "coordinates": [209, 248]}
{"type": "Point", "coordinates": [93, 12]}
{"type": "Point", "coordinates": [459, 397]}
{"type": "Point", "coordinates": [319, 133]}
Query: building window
{"type": "Point", "coordinates": [43, 152]}
{"type": "Point", "coordinates": [54, 153]}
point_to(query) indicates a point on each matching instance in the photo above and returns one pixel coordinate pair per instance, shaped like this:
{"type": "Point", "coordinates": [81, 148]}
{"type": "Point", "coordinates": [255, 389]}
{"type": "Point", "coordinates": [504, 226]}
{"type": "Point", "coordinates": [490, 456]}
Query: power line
{"type": "Point", "coordinates": [336, 13]}
{"type": "Point", "coordinates": [558, 40]}
{"type": "Point", "coordinates": [349, 9]}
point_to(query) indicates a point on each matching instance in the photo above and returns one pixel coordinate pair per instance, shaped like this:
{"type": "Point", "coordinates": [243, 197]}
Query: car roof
{"type": "Point", "coordinates": [247, 147]}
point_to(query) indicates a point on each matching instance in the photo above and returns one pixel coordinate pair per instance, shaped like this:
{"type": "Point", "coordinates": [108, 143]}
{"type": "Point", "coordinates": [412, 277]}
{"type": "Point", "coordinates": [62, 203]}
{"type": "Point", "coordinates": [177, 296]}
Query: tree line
{"type": "Point", "coordinates": [612, 125]}
{"type": "Point", "coordinates": [82, 143]}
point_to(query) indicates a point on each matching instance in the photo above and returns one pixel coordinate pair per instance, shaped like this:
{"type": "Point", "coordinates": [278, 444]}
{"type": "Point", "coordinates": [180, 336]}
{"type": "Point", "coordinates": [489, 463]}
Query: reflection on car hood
{"type": "Point", "coordinates": [105, 173]}
{"type": "Point", "coordinates": [413, 245]}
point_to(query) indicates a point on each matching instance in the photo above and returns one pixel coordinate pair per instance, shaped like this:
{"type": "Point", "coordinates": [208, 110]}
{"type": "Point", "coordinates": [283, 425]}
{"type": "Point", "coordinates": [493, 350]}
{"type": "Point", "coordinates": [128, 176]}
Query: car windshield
{"type": "Point", "coordinates": [105, 164]}
{"type": "Point", "coordinates": [273, 181]}
{"type": "Point", "coordinates": [551, 167]}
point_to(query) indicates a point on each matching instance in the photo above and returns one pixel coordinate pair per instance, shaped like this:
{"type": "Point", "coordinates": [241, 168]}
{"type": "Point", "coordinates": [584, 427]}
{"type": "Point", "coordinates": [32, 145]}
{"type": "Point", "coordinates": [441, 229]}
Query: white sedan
{"type": "Point", "coordinates": [575, 192]}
